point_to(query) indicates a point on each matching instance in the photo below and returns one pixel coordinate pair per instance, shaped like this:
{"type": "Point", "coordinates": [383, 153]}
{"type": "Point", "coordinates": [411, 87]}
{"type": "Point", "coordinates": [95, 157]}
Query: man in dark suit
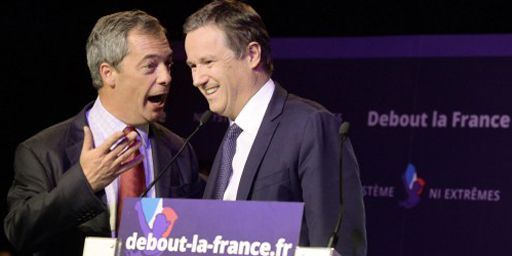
{"type": "Point", "coordinates": [69, 178]}
{"type": "Point", "coordinates": [279, 146]}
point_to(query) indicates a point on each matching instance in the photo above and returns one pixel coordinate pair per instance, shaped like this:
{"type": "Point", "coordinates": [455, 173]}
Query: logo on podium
{"type": "Point", "coordinates": [157, 226]}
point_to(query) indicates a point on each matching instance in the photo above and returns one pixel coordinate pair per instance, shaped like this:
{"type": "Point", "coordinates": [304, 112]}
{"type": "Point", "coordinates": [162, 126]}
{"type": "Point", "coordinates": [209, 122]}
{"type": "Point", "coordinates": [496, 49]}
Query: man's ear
{"type": "Point", "coordinates": [108, 75]}
{"type": "Point", "coordinates": [253, 54]}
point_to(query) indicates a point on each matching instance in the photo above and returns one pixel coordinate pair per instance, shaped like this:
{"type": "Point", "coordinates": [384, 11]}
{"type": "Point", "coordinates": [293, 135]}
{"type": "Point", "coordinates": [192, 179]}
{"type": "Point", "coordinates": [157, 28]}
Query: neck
{"type": "Point", "coordinates": [110, 105]}
{"type": "Point", "coordinates": [256, 83]}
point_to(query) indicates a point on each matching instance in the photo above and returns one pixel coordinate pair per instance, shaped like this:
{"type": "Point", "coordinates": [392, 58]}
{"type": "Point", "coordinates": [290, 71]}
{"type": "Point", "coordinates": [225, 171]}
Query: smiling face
{"type": "Point", "coordinates": [135, 92]}
{"type": "Point", "coordinates": [227, 82]}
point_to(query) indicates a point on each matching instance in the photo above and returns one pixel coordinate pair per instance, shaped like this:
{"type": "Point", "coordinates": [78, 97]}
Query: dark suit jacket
{"type": "Point", "coordinates": [295, 157]}
{"type": "Point", "coordinates": [51, 205]}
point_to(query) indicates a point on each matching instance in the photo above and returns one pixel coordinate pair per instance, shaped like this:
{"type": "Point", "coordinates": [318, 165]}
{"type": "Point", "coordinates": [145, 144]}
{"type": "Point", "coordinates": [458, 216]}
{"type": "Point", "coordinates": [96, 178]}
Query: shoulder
{"type": "Point", "coordinates": [304, 110]}
{"type": "Point", "coordinates": [167, 136]}
{"type": "Point", "coordinates": [52, 137]}
{"type": "Point", "coordinates": [60, 135]}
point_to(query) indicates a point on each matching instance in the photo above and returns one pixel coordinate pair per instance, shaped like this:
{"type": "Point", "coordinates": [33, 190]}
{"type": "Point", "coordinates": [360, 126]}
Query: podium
{"type": "Point", "coordinates": [315, 251]}
{"type": "Point", "coordinates": [94, 246]}
{"type": "Point", "coordinates": [109, 247]}
{"type": "Point", "coordinates": [157, 226]}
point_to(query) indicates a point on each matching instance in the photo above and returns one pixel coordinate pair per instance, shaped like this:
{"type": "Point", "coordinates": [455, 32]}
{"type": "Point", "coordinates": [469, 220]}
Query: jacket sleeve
{"type": "Point", "coordinates": [197, 184]}
{"type": "Point", "coordinates": [41, 206]}
{"type": "Point", "coordinates": [319, 172]}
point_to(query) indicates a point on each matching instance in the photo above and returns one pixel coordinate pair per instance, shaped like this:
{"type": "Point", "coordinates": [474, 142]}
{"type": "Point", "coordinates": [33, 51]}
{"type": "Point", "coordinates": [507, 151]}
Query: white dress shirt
{"type": "Point", "coordinates": [249, 119]}
{"type": "Point", "coordinates": [102, 125]}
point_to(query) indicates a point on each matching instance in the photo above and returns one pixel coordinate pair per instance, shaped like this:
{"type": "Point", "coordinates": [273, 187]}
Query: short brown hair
{"type": "Point", "coordinates": [240, 23]}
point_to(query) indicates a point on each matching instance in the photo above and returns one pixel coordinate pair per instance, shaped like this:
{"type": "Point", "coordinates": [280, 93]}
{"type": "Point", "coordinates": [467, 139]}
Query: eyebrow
{"type": "Point", "coordinates": [202, 59]}
{"type": "Point", "coordinates": [154, 56]}
{"type": "Point", "coordinates": [190, 63]}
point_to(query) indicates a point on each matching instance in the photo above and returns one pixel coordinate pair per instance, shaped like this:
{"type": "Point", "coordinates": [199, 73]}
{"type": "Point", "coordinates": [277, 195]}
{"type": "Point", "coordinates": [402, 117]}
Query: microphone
{"type": "Point", "coordinates": [333, 239]}
{"type": "Point", "coordinates": [204, 118]}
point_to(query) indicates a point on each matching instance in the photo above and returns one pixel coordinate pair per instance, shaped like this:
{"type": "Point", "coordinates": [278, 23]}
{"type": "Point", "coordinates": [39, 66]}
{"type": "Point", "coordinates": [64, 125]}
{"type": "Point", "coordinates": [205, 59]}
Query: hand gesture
{"type": "Point", "coordinates": [101, 165]}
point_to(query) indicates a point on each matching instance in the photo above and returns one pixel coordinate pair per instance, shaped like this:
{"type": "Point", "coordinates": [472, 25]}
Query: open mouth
{"type": "Point", "coordinates": [160, 98]}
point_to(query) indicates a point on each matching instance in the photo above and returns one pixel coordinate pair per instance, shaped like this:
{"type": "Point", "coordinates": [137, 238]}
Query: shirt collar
{"type": "Point", "coordinates": [103, 124]}
{"type": "Point", "coordinates": [249, 119]}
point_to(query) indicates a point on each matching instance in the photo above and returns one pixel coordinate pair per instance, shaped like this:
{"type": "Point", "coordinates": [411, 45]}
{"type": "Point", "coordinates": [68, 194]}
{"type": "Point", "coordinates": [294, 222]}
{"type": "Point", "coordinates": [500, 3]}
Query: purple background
{"type": "Point", "coordinates": [351, 56]}
{"type": "Point", "coordinates": [474, 79]}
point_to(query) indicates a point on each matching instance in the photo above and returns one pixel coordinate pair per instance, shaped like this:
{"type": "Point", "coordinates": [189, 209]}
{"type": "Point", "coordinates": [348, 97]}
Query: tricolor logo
{"type": "Point", "coordinates": [413, 186]}
{"type": "Point", "coordinates": [155, 218]}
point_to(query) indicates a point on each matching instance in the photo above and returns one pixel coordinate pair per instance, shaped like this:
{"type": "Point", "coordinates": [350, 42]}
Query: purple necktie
{"type": "Point", "coordinates": [226, 166]}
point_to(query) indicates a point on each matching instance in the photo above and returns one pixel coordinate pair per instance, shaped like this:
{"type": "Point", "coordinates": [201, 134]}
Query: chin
{"type": "Point", "coordinates": [154, 116]}
{"type": "Point", "coordinates": [161, 117]}
{"type": "Point", "coordinates": [157, 117]}
{"type": "Point", "coordinates": [215, 109]}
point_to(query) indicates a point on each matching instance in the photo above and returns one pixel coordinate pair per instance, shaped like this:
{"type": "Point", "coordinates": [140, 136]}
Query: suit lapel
{"type": "Point", "coordinates": [162, 154]}
{"type": "Point", "coordinates": [214, 172]}
{"type": "Point", "coordinates": [75, 136]}
{"type": "Point", "coordinates": [267, 129]}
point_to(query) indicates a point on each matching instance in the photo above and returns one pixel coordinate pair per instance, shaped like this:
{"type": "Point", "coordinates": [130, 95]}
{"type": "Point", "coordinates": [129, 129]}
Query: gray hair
{"type": "Point", "coordinates": [108, 43]}
{"type": "Point", "coordinates": [240, 23]}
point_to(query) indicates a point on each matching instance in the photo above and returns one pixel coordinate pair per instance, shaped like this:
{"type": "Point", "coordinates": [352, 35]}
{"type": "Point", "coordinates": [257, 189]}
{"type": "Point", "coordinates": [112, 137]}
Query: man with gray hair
{"type": "Point", "coordinates": [71, 179]}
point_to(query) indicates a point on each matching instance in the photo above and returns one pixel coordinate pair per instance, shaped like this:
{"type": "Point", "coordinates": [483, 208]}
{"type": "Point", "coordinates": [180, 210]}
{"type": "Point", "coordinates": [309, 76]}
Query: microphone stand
{"type": "Point", "coordinates": [204, 118]}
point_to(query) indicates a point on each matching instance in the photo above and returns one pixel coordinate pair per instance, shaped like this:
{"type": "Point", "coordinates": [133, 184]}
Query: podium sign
{"type": "Point", "coordinates": [315, 251]}
{"type": "Point", "coordinates": [157, 226]}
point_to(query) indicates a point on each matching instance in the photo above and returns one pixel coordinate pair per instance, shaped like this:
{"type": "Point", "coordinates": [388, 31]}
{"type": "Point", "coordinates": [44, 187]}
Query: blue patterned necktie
{"type": "Point", "coordinates": [226, 167]}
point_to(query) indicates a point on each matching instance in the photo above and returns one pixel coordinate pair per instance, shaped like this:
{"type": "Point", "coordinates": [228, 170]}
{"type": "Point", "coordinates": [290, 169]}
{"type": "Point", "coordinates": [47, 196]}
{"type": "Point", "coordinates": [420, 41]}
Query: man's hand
{"type": "Point", "coordinates": [101, 165]}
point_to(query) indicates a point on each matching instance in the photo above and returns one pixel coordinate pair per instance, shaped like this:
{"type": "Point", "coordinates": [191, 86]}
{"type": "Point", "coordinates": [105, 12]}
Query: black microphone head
{"type": "Point", "coordinates": [205, 117]}
{"type": "Point", "coordinates": [344, 128]}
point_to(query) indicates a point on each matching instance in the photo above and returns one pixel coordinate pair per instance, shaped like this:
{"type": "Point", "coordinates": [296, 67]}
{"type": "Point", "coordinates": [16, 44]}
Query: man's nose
{"type": "Point", "coordinates": [199, 77]}
{"type": "Point", "coordinates": [164, 75]}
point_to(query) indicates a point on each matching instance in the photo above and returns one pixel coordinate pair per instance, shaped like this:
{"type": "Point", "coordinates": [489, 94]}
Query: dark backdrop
{"type": "Point", "coordinates": [45, 76]}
